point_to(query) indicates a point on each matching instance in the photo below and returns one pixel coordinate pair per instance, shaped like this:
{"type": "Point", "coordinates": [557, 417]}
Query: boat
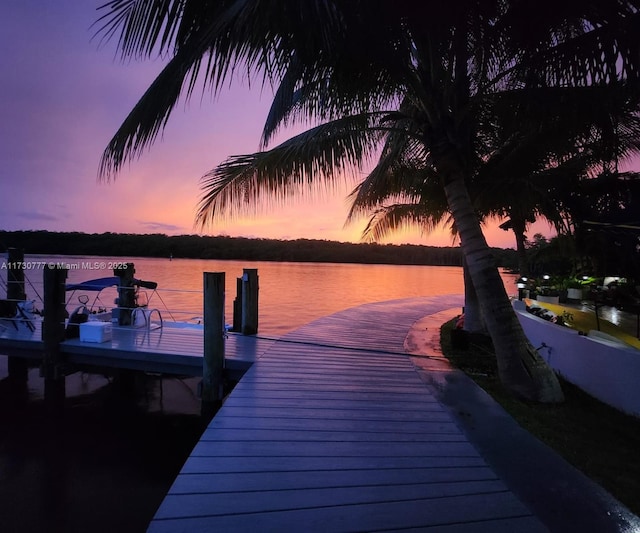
{"type": "Point", "coordinates": [90, 305]}
{"type": "Point", "coordinates": [141, 315]}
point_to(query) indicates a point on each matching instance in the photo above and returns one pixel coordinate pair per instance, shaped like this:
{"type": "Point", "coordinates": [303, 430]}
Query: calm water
{"type": "Point", "coordinates": [291, 294]}
{"type": "Point", "coordinates": [106, 465]}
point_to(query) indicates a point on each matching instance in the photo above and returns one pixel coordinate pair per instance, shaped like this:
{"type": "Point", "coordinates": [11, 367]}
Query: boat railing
{"type": "Point", "coordinates": [179, 305]}
{"type": "Point", "coordinates": [142, 316]}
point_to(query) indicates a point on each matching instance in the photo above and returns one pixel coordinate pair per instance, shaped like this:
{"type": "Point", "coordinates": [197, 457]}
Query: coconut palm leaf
{"type": "Point", "coordinates": [209, 41]}
{"type": "Point", "coordinates": [309, 161]}
{"type": "Point", "coordinates": [141, 27]}
{"type": "Point", "coordinates": [400, 172]}
{"type": "Point", "coordinates": [573, 44]}
{"type": "Point", "coordinates": [395, 217]}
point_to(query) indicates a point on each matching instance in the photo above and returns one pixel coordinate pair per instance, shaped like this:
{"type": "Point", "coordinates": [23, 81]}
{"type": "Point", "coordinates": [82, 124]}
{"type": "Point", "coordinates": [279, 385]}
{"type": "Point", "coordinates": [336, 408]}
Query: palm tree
{"type": "Point", "coordinates": [546, 147]}
{"type": "Point", "coordinates": [359, 57]}
{"type": "Point", "coordinates": [518, 180]}
{"type": "Point", "coordinates": [401, 190]}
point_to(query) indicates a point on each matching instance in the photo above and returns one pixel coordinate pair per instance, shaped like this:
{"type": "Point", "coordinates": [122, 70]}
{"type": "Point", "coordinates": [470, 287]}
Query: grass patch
{"type": "Point", "coordinates": [597, 439]}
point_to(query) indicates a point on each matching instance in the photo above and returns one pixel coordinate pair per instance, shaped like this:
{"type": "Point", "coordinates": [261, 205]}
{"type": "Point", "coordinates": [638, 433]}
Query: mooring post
{"type": "Point", "coordinates": [15, 275]}
{"type": "Point", "coordinates": [213, 360]}
{"type": "Point", "coordinates": [53, 335]}
{"type": "Point", "coordinates": [17, 366]}
{"type": "Point", "coordinates": [126, 294]}
{"type": "Point", "coordinates": [250, 301]}
{"type": "Point", "coordinates": [237, 307]}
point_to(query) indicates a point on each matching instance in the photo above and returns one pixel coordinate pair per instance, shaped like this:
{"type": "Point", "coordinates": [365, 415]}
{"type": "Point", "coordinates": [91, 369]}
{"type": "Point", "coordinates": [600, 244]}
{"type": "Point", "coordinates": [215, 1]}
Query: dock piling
{"type": "Point", "coordinates": [126, 293]}
{"type": "Point", "coordinates": [250, 301]}
{"type": "Point", "coordinates": [214, 331]}
{"type": "Point", "coordinates": [52, 335]}
{"type": "Point", "coordinates": [237, 307]}
{"type": "Point", "coordinates": [17, 367]}
{"type": "Point", "coordinates": [15, 275]}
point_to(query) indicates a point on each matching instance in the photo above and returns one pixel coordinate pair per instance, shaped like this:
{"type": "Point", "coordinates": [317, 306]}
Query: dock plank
{"type": "Point", "coordinates": [332, 424]}
{"type": "Point", "coordinates": [292, 435]}
{"type": "Point", "coordinates": [256, 394]}
{"type": "Point", "coordinates": [321, 413]}
{"type": "Point", "coordinates": [332, 429]}
{"type": "Point", "coordinates": [364, 448]}
{"type": "Point", "coordinates": [254, 481]}
{"type": "Point", "coordinates": [260, 501]}
{"type": "Point", "coordinates": [374, 516]}
{"type": "Point", "coordinates": [301, 401]}
{"type": "Point", "coordinates": [210, 465]}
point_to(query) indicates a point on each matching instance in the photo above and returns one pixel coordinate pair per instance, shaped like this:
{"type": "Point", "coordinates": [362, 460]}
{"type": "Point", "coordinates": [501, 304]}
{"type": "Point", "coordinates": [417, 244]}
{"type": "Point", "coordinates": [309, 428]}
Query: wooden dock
{"type": "Point", "coordinates": [334, 430]}
{"type": "Point", "coordinates": [205, 352]}
{"type": "Point", "coordinates": [166, 350]}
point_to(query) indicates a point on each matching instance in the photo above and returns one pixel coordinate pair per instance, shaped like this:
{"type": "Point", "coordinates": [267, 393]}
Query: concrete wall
{"type": "Point", "coordinates": [606, 369]}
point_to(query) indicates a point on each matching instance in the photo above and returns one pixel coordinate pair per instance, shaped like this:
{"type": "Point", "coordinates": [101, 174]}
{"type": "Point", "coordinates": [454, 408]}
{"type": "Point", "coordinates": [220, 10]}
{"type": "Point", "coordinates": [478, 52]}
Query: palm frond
{"type": "Point", "coordinates": [285, 100]}
{"type": "Point", "coordinates": [147, 118]}
{"type": "Point", "coordinates": [142, 25]}
{"type": "Point", "coordinates": [325, 94]}
{"type": "Point", "coordinates": [574, 44]}
{"type": "Point", "coordinates": [396, 217]}
{"type": "Point", "coordinates": [311, 160]}
{"type": "Point", "coordinates": [210, 40]}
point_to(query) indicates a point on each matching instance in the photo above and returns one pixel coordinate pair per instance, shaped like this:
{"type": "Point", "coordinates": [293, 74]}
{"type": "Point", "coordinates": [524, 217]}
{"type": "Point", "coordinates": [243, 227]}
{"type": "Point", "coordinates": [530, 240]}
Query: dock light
{"type": "Point", "coordinates": [521, 283]}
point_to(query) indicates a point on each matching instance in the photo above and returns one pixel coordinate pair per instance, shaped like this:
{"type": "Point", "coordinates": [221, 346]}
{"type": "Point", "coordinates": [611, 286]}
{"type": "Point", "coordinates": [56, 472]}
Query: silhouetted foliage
{"type": "Point", "coordinates": [220, 247]}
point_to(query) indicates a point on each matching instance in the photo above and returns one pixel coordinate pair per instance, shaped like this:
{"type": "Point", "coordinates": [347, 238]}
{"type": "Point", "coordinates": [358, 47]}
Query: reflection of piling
{"type": "Point", "coordinates": [53, 335]}
{"type": "Point", "coordinates": [126, 294]}
{"type": "Point", "coordinates": [17, 366]}
{"type": "Point", "coordinates": [214, 331]}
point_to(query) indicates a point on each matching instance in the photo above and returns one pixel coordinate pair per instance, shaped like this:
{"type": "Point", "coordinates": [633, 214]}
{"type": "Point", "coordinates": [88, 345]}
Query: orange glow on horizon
{"type": "Point", "coordinates": [167, 205]}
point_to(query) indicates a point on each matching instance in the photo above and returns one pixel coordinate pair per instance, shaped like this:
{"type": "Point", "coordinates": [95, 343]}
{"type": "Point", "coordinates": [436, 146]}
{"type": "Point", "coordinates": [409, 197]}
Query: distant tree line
{"type": "Point", "coordinates": [220, 247]}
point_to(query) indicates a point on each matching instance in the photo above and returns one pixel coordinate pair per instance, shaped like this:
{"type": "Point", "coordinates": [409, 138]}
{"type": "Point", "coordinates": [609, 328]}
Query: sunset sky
{"type": "Point", "coordinates": [62, 97]}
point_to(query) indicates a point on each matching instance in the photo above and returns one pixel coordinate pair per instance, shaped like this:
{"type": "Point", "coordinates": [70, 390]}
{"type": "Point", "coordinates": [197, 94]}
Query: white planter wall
{"type": "Point", "coordinates": [607, 370]}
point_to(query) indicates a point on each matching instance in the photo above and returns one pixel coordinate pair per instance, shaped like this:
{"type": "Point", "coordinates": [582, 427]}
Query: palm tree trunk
{"type": "Point", "coordinates": [519, 231]}
{"type": "Point", "coordinates": [473, 321]}
{"type": "Point", "coordinates": [520, 367]}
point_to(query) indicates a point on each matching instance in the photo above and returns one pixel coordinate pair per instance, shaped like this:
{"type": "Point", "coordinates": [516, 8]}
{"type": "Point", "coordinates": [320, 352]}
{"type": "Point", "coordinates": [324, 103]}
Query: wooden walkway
{"type": "Point", "coordinates": [333, 430]}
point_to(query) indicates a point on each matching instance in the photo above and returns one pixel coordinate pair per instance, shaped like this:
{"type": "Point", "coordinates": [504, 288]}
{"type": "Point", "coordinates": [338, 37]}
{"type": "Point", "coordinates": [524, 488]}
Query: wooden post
{"type": "Point", "coordinates": [237, 307]}
{"type": "Point", "coordinates": [17, 366]}
{"type": "Point", "coordinates": [53, 335]}
{"type": "Point", "coordinates": [124, 380]}
{"type": "Point", "coordinates": [213, 360]}
{"type": "Point", "coordinates": [126, 294]}
{"type": "Point", "coordinates": [250, 301]}
{"type": "Point", "coordinates": [15, 275]}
